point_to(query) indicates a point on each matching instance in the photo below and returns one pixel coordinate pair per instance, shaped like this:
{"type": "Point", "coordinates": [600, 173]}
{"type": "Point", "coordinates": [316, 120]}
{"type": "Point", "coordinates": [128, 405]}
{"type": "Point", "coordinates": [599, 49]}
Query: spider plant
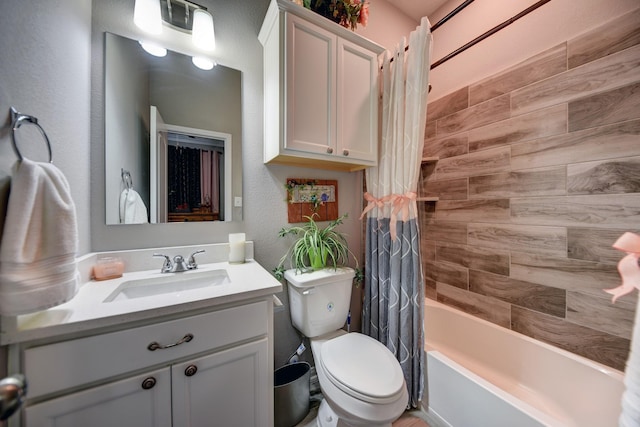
{"type": "Point", "coordinates": [315, 247]}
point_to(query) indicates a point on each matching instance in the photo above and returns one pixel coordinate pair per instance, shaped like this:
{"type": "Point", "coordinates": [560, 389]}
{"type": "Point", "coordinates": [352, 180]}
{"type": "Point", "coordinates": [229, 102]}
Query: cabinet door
{"type": "Point", "coordinates": [228, 388]}
{"type": "Point", "coordinates": [357, 102]}
{"type": "Point", "coordinates": [310, 87]}
{"type": "Point", "coordinates": [123, 403]}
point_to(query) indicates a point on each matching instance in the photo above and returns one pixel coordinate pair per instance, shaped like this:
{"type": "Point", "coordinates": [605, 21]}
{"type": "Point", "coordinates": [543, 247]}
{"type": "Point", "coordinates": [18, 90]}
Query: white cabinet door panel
{"type": "Point", "coordinates": [311, 84]}
{"type": "Point", "coordinates": [357, 102]}
{"type": "Point", "coordinates": [229, 388]}
{"type": "Point", "coordinates": [119, 404]}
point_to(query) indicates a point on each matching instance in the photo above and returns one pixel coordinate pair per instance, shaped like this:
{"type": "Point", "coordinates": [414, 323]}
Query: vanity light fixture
{"type": "Point", "coordinates": [182, 15]}
{"type": "Point", "coordinates": [203, 63]}
{"type": "Point", "coordinates": [148, 16]}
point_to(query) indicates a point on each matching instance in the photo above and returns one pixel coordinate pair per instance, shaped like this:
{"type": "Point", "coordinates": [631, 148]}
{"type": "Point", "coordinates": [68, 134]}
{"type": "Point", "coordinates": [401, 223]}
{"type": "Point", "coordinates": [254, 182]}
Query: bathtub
{"type": "Point", "coordinates": [479, 374]}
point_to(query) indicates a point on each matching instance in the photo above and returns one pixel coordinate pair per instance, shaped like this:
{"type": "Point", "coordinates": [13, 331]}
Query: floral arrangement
{"type": "Point", "coordinates": [348, 13]}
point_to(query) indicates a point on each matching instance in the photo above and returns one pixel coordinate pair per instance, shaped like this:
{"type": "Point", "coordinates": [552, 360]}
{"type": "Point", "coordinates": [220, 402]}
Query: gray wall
{"type": "Point", "coordinates": [45, 73]}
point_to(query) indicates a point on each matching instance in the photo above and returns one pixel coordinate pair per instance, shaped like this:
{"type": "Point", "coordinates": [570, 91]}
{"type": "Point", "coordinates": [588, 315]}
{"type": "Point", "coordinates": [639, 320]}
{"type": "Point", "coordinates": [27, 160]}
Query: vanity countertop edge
{"type": "Point", "coordinates": [87, 312]}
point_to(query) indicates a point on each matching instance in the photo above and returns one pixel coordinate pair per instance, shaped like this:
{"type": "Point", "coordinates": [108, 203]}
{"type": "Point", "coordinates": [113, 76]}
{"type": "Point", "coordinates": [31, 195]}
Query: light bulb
{"type": "Point", "coordinates": [203, 35]}
{"type": "Point", "coordinates": [147, 16]}
{"type": "Point", "coordinates": [203, 63]}
{"type": "Point", "coordinates": [153, 49]}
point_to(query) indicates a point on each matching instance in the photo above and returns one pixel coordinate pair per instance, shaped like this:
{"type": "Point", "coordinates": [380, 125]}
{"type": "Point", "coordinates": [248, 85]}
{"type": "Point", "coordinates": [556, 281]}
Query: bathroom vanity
{"type": "Point", "coordinates": [152, 349]}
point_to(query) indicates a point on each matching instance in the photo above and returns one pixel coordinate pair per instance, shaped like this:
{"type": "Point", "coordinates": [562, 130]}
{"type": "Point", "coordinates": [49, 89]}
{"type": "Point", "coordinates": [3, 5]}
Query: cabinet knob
{"type": "Point", "coordinates": [191, 370]}
{"type": "Point", "coordinates": [345, 152]}
{"type": "Point", "coordinates": [148, 383]}
{"type": "Point", "coordinates": [329, 150]}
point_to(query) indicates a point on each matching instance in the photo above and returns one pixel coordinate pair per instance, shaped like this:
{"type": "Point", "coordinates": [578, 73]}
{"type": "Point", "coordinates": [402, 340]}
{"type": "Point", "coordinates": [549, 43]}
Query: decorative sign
{"type": "Point", "coordinates": [306, 197]}
{"type": "Point", "coordinates": [316, 194]}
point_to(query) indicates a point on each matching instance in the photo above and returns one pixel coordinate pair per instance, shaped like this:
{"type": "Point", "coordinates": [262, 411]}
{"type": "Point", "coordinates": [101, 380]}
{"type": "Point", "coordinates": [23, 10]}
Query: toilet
{"type": "Point", "coordinates": [361, 380]}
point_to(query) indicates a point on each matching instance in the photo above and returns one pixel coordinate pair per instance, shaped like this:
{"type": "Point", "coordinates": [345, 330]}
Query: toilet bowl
{"type": "Point", "coordinates": [361, 381]}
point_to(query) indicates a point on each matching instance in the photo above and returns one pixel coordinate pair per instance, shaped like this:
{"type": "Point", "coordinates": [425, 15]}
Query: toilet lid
{"type": "Point", "coordinates": [362, 367]}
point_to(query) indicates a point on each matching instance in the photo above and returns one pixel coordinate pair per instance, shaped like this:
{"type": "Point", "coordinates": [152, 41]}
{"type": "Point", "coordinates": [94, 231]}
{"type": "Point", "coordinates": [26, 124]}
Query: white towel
{"type": "Point", "coordinates": [132, 208]}
{"type": "Point", "coordinates": [39, 242]}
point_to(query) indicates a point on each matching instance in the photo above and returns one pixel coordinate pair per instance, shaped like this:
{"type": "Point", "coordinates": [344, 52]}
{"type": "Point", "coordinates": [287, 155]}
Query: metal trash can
{"type": "Point", "coordinates": [291, 394]}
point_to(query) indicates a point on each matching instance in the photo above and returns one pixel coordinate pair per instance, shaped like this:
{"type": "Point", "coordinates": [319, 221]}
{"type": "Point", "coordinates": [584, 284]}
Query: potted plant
{"type": "Point", "coordinates": [315, 248]}
{"type": "Point", "coordinates": [348, 13]}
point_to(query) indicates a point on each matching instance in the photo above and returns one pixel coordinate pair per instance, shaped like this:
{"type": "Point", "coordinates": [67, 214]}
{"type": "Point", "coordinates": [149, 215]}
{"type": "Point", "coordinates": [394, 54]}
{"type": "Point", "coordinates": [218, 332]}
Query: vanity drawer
{"type": "Point", "coordinates": [67, 364]}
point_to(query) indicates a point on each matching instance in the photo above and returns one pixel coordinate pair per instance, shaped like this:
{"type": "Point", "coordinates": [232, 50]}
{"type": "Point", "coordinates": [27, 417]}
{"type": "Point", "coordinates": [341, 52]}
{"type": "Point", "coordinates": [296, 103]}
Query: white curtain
{"type": "Point", "coordinates": [394, 295]}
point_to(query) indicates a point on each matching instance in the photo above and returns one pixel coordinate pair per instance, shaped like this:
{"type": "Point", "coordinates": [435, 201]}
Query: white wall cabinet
{"type": "Point", "coordinates": [320, 91]}
{"type": "Point", "coordinates": [221, 375]}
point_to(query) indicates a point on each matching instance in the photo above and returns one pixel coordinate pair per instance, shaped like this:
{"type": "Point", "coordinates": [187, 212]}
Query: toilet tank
{"type": "Point", "coordinates": [319, 301]}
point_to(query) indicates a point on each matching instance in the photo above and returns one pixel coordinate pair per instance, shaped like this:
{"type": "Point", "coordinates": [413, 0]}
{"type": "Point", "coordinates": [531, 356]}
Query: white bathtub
{"type": "Point", "coordinates": [480, 374]}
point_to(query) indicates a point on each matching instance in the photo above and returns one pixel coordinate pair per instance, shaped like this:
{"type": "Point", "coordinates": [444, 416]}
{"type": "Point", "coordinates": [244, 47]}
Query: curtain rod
{"type": "Point", "coordinates": [489, 33]}
{"type": "Point", "coordinates": [451, 14]}
{"type": "Point", "coordinates": [448, 16]}
{"type": "Point", "coordinates": [438, 24]}
{"type": "Point", "coordinates": [480, 37]}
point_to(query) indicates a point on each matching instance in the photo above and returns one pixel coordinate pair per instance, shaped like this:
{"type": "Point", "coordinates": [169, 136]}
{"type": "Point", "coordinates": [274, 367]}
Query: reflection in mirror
{"type": "Point", "coordinates": [192, 188]}
{"type": "Point", "coordinates": [175, 131]}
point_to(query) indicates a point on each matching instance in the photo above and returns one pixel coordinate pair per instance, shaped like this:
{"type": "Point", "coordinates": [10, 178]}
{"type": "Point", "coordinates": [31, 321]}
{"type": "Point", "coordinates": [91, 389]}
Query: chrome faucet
{"type": "Point", "coordinates": [179, 264]}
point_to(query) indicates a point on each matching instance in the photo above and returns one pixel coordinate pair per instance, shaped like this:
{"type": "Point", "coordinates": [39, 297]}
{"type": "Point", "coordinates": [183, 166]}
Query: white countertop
{"type": "Point", "coordinates": [87, 310]}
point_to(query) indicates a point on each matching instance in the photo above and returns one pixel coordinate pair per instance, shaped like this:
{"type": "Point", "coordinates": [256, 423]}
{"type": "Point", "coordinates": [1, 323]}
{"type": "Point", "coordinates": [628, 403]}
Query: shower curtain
{"type": "Point", "coordinates": [394, 295]}
{"type": "Point", "coordinates": [183, 177]}
{"type": "Point", "coordinates": [210, 179]}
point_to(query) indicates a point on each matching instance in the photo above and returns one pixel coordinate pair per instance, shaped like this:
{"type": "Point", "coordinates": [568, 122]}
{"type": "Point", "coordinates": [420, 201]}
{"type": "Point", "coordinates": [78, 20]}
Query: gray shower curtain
{"type": "Point", "coordinates": [394, 296]}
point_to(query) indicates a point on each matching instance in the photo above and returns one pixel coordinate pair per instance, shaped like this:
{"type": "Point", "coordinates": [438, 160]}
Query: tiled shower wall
{"type": "Point", "coordinates": [538, 174]}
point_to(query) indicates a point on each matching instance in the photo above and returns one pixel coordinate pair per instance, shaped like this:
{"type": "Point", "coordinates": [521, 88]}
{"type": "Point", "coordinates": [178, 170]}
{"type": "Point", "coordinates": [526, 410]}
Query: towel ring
{"type": "Point", "coordinates": [126, 179]}
{"type": "Point", "coordinates": [16, 121]}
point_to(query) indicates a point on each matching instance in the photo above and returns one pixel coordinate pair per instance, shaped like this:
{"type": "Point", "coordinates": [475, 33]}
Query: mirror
{"type": "Point", "coordinates": [173, 137]}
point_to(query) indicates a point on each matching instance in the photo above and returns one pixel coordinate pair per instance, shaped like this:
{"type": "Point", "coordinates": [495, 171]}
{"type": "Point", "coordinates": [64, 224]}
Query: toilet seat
{"type": "Point", "coordinates": [363, 368]}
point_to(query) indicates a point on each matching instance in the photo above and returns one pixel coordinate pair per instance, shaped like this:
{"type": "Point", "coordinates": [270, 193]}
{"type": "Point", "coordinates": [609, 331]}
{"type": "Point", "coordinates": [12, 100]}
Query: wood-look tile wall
{"type": "Point", "coordinates": [538, 174]}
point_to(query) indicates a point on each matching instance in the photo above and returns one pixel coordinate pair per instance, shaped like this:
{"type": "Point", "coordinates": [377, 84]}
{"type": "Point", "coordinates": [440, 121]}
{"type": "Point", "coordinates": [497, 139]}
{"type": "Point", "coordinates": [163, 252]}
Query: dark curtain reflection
{"type": "Point", "coordinates": [184, 178]}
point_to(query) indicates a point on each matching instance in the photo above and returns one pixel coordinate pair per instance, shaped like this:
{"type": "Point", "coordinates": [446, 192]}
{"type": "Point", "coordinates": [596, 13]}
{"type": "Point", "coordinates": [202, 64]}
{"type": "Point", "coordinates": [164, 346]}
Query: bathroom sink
{"type": "Point", "coordinates": [170, 283]}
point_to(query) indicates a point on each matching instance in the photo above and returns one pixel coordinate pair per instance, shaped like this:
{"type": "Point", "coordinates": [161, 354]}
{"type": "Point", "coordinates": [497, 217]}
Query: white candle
{"type": "Point", "coordinates": [236, 248]}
